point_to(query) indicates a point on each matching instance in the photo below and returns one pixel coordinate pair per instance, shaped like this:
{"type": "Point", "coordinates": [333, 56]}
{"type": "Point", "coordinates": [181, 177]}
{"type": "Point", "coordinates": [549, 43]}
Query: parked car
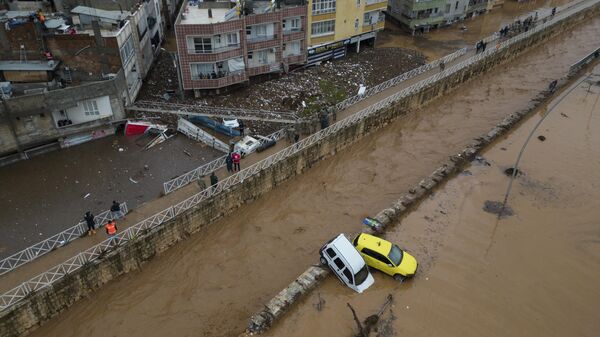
{"type": "Point", "coordinates": [249, 144]}
{"type": "Point", "coordinates": [385, 256]}
{"type": "Point", "coordinates": [346, 263]}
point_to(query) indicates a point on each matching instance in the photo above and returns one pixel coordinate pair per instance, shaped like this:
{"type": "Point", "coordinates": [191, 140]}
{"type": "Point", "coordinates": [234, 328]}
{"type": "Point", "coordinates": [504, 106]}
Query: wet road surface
{"type": "Point", "coordinates": [45, 195]}
{"type": "Point", "coordinates": [210, 284]}
{"type": "Point", "coordinates": [443, 41]}
{"type": "Point", "coordinates": [531, 274]}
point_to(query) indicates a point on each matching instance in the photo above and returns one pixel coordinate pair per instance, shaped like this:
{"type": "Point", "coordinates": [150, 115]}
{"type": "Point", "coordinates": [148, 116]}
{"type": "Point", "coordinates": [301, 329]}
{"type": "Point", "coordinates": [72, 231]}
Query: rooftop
{"type": "Point", "coordinates": [196, 12]}
{"type": "Point", "coordinates": [115, 16]}
{"type": "Point", "coordinates": [28, 65]}
{"type": "Point", "coordinates": [195, 15]}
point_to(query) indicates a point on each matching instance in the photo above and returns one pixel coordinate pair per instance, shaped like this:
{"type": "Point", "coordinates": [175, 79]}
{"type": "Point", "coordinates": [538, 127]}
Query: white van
{"type": "Point", "coordinates": [346, 263]}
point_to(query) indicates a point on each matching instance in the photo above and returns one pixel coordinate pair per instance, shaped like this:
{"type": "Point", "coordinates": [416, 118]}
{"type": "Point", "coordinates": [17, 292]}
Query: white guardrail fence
{"type": "Point", "coordinates": [49, 277]}
{"type": "Point", "coordinates": [55, 241]}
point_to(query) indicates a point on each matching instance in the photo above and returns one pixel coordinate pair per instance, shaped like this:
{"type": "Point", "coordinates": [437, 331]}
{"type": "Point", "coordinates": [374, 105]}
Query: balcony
{"type": "Point", "coordinates": [220, 80]}
{"type": "Point", "coordinates": [292, 31]}
{"type": "Point", "coordinates": [261, 38]}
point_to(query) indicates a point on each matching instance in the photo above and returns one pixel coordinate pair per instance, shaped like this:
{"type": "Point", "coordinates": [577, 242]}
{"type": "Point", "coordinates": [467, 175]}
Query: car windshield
{"type": "Point", "coordinates": [361, 276]}
{"type": "Point", "coordinates": [396, 255]}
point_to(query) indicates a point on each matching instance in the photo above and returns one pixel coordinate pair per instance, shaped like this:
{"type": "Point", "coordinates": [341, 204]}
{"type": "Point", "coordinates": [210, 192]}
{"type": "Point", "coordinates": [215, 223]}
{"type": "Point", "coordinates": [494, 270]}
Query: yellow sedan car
{"type": "Point", "coordinates": [385, 256]}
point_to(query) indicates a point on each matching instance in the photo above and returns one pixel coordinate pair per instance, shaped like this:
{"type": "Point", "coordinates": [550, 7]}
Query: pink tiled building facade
{"type": "Point", "coordinates": [223, 43]}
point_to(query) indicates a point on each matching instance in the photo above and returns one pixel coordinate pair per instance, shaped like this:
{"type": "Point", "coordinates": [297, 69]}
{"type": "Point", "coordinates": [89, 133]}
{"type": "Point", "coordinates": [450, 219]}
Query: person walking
{"type": "Point", "coordinates": [116, 211]}
{"type": "Point", "coordinates": [111, 228]}
{"type": "Point", "coordinates": [91, 224]}
{"type": "Point", "coordinates": [236, 161]}
{"type": "Point", "coordinates": [241, 128]}
{"type": "Point", "coordinates": [214, 180]}
{"type": "Point", "coordinates": [442, 66]}
{"type": "Point", "coordinates": [229, 163]}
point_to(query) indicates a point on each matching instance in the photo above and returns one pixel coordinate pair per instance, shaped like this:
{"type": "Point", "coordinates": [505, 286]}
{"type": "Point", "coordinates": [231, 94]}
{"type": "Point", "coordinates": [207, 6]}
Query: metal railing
{"type": "Point", "coordinates": [213, 111]}
{"type": "Point", "coordinates": [55, 241]}
{"type": "Point", "coordinates": [585, 60]}
{"type": "Point", "coordinates": [206, 169]}
{"type": "Point", "coordinates": [49, 277]}
{"type": "Point", "coordinates": [398, 79]}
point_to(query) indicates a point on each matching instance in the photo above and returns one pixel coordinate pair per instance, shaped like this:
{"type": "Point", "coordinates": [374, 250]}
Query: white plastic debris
{"type": "Point", "coordinates": [87, 195]}
{"type": "Point", "coordinates": [121, 149]}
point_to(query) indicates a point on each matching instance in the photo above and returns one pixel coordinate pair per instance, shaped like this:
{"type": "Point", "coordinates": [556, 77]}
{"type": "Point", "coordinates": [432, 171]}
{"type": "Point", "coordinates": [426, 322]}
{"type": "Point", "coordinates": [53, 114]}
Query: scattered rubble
{"type": "Point", "coordinates": [317, 87]}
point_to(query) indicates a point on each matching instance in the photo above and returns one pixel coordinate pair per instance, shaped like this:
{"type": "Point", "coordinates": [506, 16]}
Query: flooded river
{"type": "Point", "coordinates": [532, 274]}
{"type": "Point", "coordinates": [210, 284]}
{"type": "Point", "coordinates": [443, 41]}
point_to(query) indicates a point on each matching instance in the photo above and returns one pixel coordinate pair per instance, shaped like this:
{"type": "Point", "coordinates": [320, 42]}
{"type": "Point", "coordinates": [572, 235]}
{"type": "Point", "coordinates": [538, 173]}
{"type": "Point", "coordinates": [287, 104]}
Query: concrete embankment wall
{"type": "Point", "coordinates": [44, 304]}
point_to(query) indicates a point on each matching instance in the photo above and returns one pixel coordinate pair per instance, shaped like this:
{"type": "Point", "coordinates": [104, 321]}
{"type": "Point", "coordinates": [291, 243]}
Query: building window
{"type": "Point", "coordinates": [357, 3]}
{"type": "Point", "coordinates": [292, 25]}
{"type": "Point", "coordinates": [356, 24]}
{"type": "Point", "coordinates": [323, 28]}
{"type": "Point", "coordinates": [127, 51]}
{"type": "Point", "coordinates": [90, 108]}
{"type": "Point", "coordinates": [202, 45]}
{"type": "Point", "coordinates": [292, 48]}
{"type": "Point", "coordinates": [232, 39]}
{"type": "Point", "coordinates": [262, 56]}
{"type": "Point", "coordinates": [323, 6]}
{"type": "Point", "coordinates": [201, 70]}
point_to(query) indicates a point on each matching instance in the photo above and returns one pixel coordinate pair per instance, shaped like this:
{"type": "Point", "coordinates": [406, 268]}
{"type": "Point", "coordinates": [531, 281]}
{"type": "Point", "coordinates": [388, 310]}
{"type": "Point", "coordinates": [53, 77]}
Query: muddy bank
{"type": "Point", "coordinates": [533, 273]}
{"type": "Point", "coordinates": [221, 288]}
{"type": "Point", "coordinates": [45, 195]}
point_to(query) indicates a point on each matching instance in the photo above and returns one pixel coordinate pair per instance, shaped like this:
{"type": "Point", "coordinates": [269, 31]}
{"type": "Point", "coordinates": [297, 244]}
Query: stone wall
{"type": "Point", "coordinates": [44, 304]}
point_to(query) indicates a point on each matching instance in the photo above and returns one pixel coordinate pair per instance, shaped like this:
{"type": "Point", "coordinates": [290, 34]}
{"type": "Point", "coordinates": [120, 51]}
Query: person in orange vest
{"type": "Point", "coordinates": [111, 228]}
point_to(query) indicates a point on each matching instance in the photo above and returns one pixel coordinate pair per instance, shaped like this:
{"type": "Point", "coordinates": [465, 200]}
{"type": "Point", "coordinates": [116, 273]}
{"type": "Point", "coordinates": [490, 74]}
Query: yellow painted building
{"type": "Point", "coordinates": [333, 25]}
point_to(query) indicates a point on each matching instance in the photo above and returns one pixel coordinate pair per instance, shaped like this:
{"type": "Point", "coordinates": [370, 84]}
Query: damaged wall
{"type": "Point", "coordinates": [44, 304]}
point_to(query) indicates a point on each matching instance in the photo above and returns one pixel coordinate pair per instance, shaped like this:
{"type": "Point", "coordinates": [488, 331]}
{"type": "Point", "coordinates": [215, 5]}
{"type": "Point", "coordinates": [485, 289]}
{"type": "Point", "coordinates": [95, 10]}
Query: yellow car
{"type": "Point", "coordinates": [385, 256]}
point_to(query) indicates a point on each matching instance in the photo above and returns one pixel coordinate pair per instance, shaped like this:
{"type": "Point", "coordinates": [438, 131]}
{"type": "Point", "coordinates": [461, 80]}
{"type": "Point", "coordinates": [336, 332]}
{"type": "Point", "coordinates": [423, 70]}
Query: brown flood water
{"type": "Point", "coordinates": [210, 284]}
{"type": "Point", "coordinates": [532, 274]}
{"type": "Point", "coordinates": [443, 41]}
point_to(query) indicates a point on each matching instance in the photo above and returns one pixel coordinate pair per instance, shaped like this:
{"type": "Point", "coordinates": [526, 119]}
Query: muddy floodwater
{"type": "Point", "coordinates": [535, 273]}
{"type": "Point", "coordinates": [210, 284]}
{"type": "Point", "coordinates": [443, 41]}
{"type": "Point", "coordinates": [49, 193]}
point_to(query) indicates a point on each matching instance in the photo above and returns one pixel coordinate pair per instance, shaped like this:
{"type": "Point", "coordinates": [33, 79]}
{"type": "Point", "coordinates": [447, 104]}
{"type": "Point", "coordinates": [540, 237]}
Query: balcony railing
{"type": "Point", "coordinates": [260, 38]}
{"type": "Point", "coordinates": [216, 75]}
{"type": "Point", "coordinates": [293, 30]}
{"type": "Point", "coordinates": [214, 50]}
{"type": "Point", "coordinates": [372, 2]}
{"type": "Point", "coordinates": [220, 80]}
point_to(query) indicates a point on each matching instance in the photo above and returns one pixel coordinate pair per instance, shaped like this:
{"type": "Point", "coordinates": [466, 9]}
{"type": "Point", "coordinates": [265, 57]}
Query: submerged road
{"type": "Point", "coordinates": [531, 274]}
{"type": "Point", "coordinates": [210, 284]}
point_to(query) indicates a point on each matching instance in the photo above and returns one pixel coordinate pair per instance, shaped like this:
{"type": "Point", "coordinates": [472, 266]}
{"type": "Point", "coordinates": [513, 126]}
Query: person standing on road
{"type": "Point", "coordinates": [214, 180]}
{"type": "Point", "coordinates": [116, 211]}
{"type": "Point", "coordinates": [229, 163]}
{"type": "Point", "coordinates": [91, 224]}
{"type": "Point", "coordinates": [442, 66]}
{"type": "Point", "coordinates": [111, 228]}
{"type": "Point", "coordinates": [241, 128]}
{"type": "Point", "coordinates": [236, 161]}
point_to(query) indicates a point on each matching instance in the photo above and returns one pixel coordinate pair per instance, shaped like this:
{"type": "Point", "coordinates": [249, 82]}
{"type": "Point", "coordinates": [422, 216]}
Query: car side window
{"type": "Point", "coordinates": [375, 255]}
{"type": "Point", "coordinates": [338, 263]}
{"type": "Point", "coordinates": [330, 252]}
{"type": "Point", "coordinates": [348, 275]}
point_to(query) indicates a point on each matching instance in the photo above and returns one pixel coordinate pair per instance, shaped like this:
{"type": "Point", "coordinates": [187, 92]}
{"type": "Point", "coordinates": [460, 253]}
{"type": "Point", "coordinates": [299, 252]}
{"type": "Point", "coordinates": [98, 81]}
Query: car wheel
{"type": "Point", "coordinates": [323, 261]}
{"type": "Point", "coordinates": [399, 277]}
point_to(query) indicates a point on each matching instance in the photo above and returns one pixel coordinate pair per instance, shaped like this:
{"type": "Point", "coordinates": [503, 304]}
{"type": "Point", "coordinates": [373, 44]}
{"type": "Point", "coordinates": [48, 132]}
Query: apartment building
{"type": "Point", "coordinates": [335, 25]}
{"type": "Point", "coordinates": [222, 43]}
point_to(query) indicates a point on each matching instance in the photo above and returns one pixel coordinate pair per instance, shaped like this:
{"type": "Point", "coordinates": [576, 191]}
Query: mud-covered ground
{"type": "Point", "coordinates": [318, 86]}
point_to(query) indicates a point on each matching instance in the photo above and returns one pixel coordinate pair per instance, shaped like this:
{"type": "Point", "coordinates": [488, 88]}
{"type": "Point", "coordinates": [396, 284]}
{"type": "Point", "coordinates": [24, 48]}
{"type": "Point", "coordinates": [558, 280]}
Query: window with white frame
{"type": "Point", "coordinates": [260, 30]}
{"type": "Point", "coordinates": [323, 6]}
{"type": "Point", "coordinates": [262, 56]}
{"type": "Point", "coordinates": [323, 28]}
{"type": "Point", "coordinates": [202, 45]}
{"type": "Point", "coordinates": [127, 51]}
{"type": "Point", "coordinates": [356, 24]}
{"type": "Point", "coordinates": [292, 48]}
{"type": "Point", "coordinates": [232, 39]}
{"type": "Point", "coordinates": [371, 18]}
{"type": "Point", "coordinates": [90, 108]}
{"type": "Point", "coordinates": [201, 70]}
{"type": "Point", "coordinates": [292, 24]}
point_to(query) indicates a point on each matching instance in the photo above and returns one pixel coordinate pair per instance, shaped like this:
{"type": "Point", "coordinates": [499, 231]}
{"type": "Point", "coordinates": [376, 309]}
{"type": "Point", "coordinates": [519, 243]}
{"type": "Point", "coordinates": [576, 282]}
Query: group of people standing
{"type": "Point", "coordinates": [111, 226]}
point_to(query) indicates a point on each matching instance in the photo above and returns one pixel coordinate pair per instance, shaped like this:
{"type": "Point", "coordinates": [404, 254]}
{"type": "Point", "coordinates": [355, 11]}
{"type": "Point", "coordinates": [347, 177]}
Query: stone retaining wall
{"type": "Point", "coordinates": [310, 279]}
{"type": "Point", "coordinates": [44, 304]}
